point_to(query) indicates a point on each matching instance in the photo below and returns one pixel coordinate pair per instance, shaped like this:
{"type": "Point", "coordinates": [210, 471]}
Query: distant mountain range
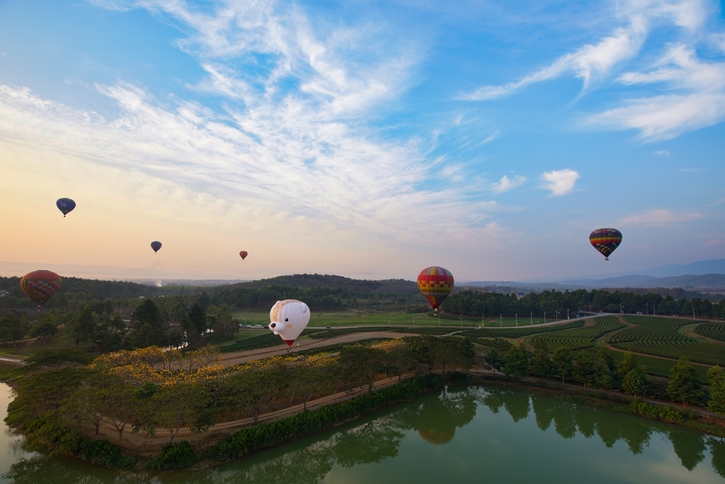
{"type": "Point", "coordinates": [702, 275]}
{"type": "Point", "coordinates": [687, 281]}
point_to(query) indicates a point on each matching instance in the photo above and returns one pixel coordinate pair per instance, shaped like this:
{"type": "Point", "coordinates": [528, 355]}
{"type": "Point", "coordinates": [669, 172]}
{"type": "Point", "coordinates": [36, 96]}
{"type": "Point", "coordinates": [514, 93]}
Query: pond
{"type": "Point", "coordinates": [461, 435]}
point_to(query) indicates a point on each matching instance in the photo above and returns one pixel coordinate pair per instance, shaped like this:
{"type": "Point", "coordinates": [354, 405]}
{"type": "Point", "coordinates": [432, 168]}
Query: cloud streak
{"type": "Point", "coordinates": [659, 218]}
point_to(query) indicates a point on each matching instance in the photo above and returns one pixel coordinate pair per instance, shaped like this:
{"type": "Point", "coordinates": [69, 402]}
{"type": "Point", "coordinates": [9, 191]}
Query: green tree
{"type": "Point", "coordinates": [361, 364]}
{"type": "Point", "coordinates": [603, 376]}
{"type": "Point", "coordinates": [683, 385]}
{"type": "Point", "coordinates": [494, 360]}
{"type": "Point", "coordinates": [517, 361]}
{"type": "Point", "coordinates": [584, 371]}
{"type": "Point", "coordinates": [630, 363]}
{"type": "Point", "coordinates": [42, 329]}
{"type": "Point", "coordinates": [222, 323]}
{"type": "Point", "coordinates": [542, 365]}
{"type": "Point", "coordinates": [716, 378]}
{"type": "Point", "coordinates": [633, 383]}
{"type": "Point", "coordinates": [419, 348]}
{"type": "Point", "coordinates": [562, 360]}
{"type": "Point", "coordinates": [194, 323]}
{"type": "Point", "coordinates": [148, 313]}
{"type": "Point", "coordinates": [86, 327]}
{"type": "Point", "coordinates": [180, 405]}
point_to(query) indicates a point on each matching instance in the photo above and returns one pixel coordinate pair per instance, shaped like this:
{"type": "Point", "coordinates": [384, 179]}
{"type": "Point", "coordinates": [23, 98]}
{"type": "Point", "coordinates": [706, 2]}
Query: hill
{"type": "Point", "coordinates": [389, 286]}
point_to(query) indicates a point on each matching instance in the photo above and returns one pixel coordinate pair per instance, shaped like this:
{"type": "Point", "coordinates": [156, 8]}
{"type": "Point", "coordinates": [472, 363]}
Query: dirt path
{"type": "Point", "coordinates": [238, 357]}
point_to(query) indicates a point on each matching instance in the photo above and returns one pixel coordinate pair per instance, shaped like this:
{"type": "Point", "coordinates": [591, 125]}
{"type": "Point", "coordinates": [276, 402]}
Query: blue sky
{"type": "Point", "coordinates": [367, 139]}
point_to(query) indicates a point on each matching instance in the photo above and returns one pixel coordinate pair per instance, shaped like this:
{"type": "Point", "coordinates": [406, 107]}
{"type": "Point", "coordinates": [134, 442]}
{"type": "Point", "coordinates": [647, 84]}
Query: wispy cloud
{"type": "Point", "coordinates": [699, 99]}
{"type": "Point", "coordinates": [505, 184]}
{"type": "Point", "coordinates": [659, 218]}
{"type": "Point", "coordinates": [587, 64]}
{"type": "Point", "coordinates": [559, 182]}
{"type": "Point", "coordinates": [663, 153]}
{"type": "Point", "coordinates": [693, 91]}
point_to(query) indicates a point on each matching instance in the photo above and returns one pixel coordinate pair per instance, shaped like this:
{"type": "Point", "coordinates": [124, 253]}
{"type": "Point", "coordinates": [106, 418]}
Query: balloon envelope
{"type": "Point", "coordinates": [288, 319]}
{"type": "Point", "coordinates": [40, 286]}
{"type": "Point", "coordinates": [65, 205]}
{"type": "Point", "coordinates": [243, 254]}
{"type": "Point", "coordinates": [156, 245]}
{"type": "Point", "coordinates": [605, 241]}
{"type": "Point", "coordinates": [435, 283]}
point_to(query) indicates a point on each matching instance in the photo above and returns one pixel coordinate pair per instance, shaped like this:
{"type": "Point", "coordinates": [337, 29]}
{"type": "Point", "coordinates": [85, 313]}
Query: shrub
{"type": "Point", "coordinates": [666, 414]}
{"type": "Point", "coordinates": [179, 455]}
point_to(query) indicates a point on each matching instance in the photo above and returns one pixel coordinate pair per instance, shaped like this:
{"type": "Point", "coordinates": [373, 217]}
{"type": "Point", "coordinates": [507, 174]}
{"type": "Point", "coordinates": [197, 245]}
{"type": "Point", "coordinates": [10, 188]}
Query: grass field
{"type": "Point", "coordinates": [362, 318]}
{"type": "Point", "coordinates": [518, 333]}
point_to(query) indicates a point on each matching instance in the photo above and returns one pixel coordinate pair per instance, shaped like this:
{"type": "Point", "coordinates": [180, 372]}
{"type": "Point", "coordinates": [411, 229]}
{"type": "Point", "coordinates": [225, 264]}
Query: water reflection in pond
{"type": "Point", "coordinates": [461, 435]}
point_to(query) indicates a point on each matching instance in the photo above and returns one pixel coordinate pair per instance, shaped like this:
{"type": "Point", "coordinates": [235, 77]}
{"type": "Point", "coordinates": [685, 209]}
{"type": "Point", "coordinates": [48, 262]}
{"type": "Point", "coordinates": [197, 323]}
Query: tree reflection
{"type": "Point", "coordinates": [717, 449]}
{"type": "Point", "coordinates": [689, 446]}
{"type": "Point", "coordinates": [543, 411]}
{"type": "Point", "coordinates": [436, 419]}
{"type": "Point", "coordinates": [517, 405]}
{"type": "Point", "coordinates": [373, 442]}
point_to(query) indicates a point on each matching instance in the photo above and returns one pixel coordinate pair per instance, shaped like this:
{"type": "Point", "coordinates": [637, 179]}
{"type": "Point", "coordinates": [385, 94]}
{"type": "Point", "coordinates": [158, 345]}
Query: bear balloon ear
{"type": "Point", "coordinates": [304, 309]}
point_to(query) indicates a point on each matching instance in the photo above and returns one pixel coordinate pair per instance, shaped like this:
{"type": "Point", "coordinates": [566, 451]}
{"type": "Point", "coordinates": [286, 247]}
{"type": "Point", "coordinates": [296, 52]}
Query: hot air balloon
{"type": "Point", "coordinates": [288, 319]}
{"type": "Point", "coordinates": [605, 240]}
{"type": "Point", "coordinates": [435, 283]}
{"type": "Point", "coordinates": [156, 245]}
{"type": "Point", "coordinates": [243, 254]}
{"type": "Point", "coordinates": [40, 286]}
{"type": "Point", "coordinates": [65, 205]}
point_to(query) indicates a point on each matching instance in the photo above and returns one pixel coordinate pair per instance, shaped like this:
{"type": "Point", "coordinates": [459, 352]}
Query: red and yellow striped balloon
{"type": "Point", "coordinates": [40, 286]}
{"type": "Point", "coordinates": [605, 241]}
{"type": "Point", "coordinates": [435, 283]}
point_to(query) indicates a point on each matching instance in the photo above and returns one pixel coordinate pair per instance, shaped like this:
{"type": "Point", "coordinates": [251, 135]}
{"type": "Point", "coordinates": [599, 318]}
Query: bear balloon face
{"type": "Point", "coordinates": [288, 318]}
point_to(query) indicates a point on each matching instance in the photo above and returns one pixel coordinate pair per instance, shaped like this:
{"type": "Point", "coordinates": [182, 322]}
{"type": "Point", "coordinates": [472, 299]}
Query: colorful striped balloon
{"type": "Point", "coordinates": [40, 286]}
{"type": "Point", "coordinates": [435, 283]}
{"type": "Point", "coordinates": [605, 240]}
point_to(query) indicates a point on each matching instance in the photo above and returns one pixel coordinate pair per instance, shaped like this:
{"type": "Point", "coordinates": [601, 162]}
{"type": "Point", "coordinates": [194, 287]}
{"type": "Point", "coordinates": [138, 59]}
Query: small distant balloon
{"type": "Point", "coordinates": [435, 283]}
{"type": "Point", "coordinates": [605, 241]}
{"type": "Point", "coordinates": [156, 245]}
{"type": "Point", "coordinates": [65, 205]}
{"type": "Point", "coordinates": [288, 319]}
{"type": "Point", "coordinates": [40, 286]}
{"type": "Point", "coordinates": [243, 254]}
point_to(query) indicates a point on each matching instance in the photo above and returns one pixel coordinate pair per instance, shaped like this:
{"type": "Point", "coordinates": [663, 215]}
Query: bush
{"type": "Point", "coordinates": [53, 358]}
{"type": "Point", "coordinates": [174, 456]}
{"type": "Point", "coordinates": [666, 414]}
{"type": "Point", "coordinates": [458, 377]}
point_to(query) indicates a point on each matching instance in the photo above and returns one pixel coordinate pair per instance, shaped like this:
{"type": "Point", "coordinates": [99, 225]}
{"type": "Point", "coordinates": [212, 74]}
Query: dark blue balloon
{"type": "Point", "coordinates": [156, 245]}
{"type": "Point", "coordinates": [65, 205]}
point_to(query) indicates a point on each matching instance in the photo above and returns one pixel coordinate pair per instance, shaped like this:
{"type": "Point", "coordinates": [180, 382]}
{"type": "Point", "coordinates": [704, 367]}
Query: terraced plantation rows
{"type": "Point", "coordinates": [662, 337]}
{"type": "Point", "coordinates": [579, 338]}
{"type": "Point", "coordinates": [712, 330]}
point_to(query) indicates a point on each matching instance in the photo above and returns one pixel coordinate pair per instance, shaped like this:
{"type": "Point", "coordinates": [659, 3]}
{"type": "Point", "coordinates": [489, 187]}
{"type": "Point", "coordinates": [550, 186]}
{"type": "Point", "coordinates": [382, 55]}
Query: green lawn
{"type": "Point", "coordinates": [363, 318]}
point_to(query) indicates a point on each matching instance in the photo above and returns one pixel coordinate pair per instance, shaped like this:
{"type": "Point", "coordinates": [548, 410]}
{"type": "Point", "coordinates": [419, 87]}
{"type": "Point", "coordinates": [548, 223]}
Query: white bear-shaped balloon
{"type": "Point", "coordinates": [288, 318]}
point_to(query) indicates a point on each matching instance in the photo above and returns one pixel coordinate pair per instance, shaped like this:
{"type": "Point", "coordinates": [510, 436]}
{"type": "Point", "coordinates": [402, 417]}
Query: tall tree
{"type": "Point", "coordinates": [683, 385]}
{"type": "Point", "coordinates": [517, 361]}
{"type": "Point", "coordinates": [148, 313]}
{"type": "Point", "coordinates": [562, 360]}
{"type": "Point", "coordinates": [716, 378]}
{"type": "Point", "coordinates": [584, 371]}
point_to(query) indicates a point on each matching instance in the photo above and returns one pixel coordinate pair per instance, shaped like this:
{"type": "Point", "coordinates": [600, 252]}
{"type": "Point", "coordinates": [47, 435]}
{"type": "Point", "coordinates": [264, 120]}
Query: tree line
{"type": "Point", "coordinates": [491, 304]}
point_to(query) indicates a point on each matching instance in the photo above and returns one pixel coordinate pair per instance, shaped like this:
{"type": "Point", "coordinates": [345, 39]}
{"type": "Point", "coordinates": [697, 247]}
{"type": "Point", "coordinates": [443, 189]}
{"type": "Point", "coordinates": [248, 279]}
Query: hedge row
{"type": "Point", "coordinates": [666, 414]}
{"type": "Point", "coordinates": [269, 434]}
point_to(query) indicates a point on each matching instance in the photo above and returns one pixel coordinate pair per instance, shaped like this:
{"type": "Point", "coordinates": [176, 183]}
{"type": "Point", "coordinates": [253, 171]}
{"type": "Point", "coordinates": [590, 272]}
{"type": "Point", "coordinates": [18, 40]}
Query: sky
{"type": "Point", "coordinates": [368, 139]}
